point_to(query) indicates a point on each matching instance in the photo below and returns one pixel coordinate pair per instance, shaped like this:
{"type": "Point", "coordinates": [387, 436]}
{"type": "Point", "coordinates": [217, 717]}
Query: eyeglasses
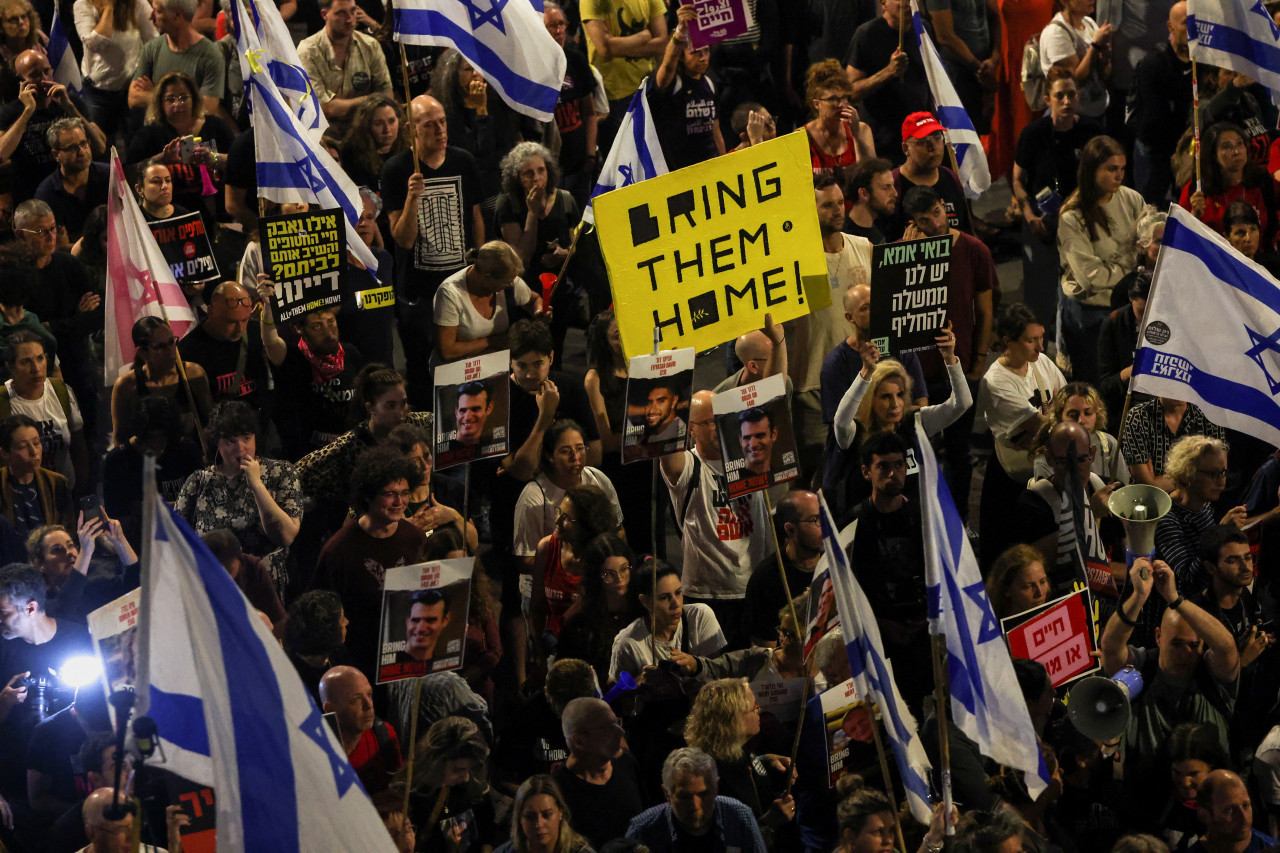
{"type": "Point", "coordinates": [82, 145]}
{"type": "Point", "coordinates": [1220, 474]}
{"type": "Point", "coordinates": [811, 520]}
{"type": "Point", "coordinates": [177, 99]}
{"type": "Point", "coordinates": [787, 633]}
{"type": "Point", "coordinates": [707, 422]}
{"type": "Point", "coordinates": [42, 232]}
{"type": "Point", "coordinates": [611, 575]}
{"type": "Point", "coordinates": [242, 301]}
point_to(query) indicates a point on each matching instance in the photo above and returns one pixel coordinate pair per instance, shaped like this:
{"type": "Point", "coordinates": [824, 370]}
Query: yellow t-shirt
{"type": "Point", "coordinates": [622, 75]}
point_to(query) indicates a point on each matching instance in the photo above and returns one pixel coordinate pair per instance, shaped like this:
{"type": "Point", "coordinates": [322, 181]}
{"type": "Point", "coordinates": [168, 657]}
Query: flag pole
{"type": "Point", "coordinates": [408, 101]}
{"type": "Point", "coordinates": [940, 712]}
{"type": "Point", "coordinates": [653, 521]}
{"type": "Point", "coordinates": [413, 742]}
{"type": "Point", "coordinates": [1195, 120]}
{"type": "Point", "coordinates": [873, 710]}
{"type": "Point", "coordinates": [902, 26]}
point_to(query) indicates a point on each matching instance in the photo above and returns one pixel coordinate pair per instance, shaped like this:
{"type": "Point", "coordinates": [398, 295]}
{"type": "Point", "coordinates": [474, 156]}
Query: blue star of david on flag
{"type": "Point", "coordinates": [343, 774]}
{"type": "Point", "coordinates": [480, 17]}
{"type": "Point", "coordinates": [1270, 343]}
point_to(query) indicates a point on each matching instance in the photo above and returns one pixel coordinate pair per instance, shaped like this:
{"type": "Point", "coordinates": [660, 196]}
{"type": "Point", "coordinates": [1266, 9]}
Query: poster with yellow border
{"type": "Point", "coordinates": [705, 252]}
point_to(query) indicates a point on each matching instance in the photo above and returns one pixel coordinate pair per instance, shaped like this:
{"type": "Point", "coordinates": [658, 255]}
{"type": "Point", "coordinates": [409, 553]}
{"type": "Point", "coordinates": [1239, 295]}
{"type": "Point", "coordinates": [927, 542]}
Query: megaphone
{"type": "Point", "coordinates": [1099, 707]}
{"type": "Point", "coordinates": [1139, 509]}
{"type": "Point", "coordinates": [625, 684]}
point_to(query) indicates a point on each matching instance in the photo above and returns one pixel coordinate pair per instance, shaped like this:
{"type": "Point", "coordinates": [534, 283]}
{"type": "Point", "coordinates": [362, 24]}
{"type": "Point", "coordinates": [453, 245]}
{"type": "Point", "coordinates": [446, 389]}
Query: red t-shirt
{"type": "Point", "coordinates": [1215, 206]}
{"type": "Point", "coordinates": [373, 766]}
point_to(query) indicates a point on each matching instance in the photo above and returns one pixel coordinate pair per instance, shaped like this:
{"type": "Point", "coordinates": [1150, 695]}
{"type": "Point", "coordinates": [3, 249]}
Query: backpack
{"type": "Point", "coordinates": [1033, 79]}
{"type": "Point", "coordinates": [59, 389]}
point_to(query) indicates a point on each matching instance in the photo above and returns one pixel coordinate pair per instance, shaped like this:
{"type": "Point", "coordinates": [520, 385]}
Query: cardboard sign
{"type": "Point", "coordinates": [823, 615]}
{"type": "Point", "coordinates": [424, 618]}
{"type": "Point", "coordinates": [756, 437]}
{"type": "Point", "coordinates": [200, 804]}
{"type": "Point", "coordinates": [186, 248]}
{"type": "Point", "coordinates": [471, 409]}
{"type": "Point", "coordinates": [718, 20]}
{"type": "Point", "coordinates": [703, 253]}
{"type": "Point", "coordinates": [304, 254]}
{"type": "Point", "coordinates": [910, 286]}
{"type": "Point", "coordinates": [1058, 634]}
{"type": "Point", "coordinates": [114, 629]}
{"type": "Point", "coordinates": [847, 723]}
{"type": "Point", "coordinates": [659, 388]}
{"type": "Point", "coordinates": [779, 697]}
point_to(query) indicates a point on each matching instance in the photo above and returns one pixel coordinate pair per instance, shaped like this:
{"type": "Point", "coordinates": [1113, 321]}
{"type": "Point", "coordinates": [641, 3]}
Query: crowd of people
{"type": "Point", "coordinates": [624, 622]}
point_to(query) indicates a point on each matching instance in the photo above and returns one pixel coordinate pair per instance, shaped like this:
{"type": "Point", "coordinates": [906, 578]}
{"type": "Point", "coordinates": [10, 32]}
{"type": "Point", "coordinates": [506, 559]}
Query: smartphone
{"type": "Point", "coordinates": [91, 508]}
{"type": "Point", "coordinates": [186, 149]}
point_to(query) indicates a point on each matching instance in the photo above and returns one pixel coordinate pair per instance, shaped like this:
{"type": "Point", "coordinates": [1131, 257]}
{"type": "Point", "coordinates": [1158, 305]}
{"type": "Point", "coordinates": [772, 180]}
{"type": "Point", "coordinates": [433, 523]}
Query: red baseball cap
{"type": "Point", "coordinates": [919, 125]}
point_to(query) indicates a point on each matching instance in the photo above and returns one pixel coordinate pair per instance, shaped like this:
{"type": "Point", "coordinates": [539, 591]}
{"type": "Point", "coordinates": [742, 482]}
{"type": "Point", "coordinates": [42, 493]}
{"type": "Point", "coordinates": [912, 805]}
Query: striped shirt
{"type": "Point", "coordinates": [1147, 437]}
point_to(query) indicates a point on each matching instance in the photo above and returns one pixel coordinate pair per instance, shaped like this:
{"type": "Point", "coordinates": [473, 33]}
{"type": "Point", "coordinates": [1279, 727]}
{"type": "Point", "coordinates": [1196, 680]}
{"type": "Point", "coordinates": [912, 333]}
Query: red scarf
{"type": "Point", "coordinates": [323, 367]}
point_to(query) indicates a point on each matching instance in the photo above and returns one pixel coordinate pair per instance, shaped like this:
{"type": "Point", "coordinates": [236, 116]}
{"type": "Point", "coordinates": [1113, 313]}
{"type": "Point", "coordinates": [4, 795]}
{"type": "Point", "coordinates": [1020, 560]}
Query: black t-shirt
{"type": "Point", "coordinates": [684, 117]}
{"type": "Point", "coordinates": [33, 158]}
{"type": "Point", "coordinates": [444, 216]}
{"type": "Point", "coordinates": [368, 309]}
{"type": "Point", "coordinates": [872, 47]}
{"type": "Point", "coordinates": [188, 182]}
{"type": "Point", "coordinates": [1052, 159]}
{"type": "Point", "coordinates": [317, 412]}
{"type": "Point", "coordinates": [63, 281]}
{"type": "Point", "coordinates": [219, 359]}
{"type": "Point", "coordinates": [947, 186]}
{"type": "Point", "coordinates": [603, 812]}
{"type": "Point", "coordinates": [17, 656]}
{"type": "Point", "coordinates": [874, 234]}
{"type": "Point", "coordinates": [578, 83]}
{"type": "Point", "coordinates": [422, 61]}
{"type": "Point", "coordinates": [242, 166]}
{"type": "Point", "coordinates": [532, 741]}
{"type": "Point", "coordinates": [70, 211]}
{"type": "Point", "coordinates": [557, 225]}
{"type": "Point", "coordinates": [55, 752]}
{"type": "Point", "coordinates": [888, 560]}
{"type": "Point", "coordinates": [765, 596]}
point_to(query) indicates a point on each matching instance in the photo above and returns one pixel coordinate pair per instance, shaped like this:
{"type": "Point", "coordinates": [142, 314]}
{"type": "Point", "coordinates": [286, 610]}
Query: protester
{"type": "Point", "coordinates": [156, 373]}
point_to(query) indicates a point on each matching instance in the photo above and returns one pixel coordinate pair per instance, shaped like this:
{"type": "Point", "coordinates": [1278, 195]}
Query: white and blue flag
{"type": "Point", "coordinates": [292, 168]}
{"type": "Point", "coordinates": [505, 41]}
{"type": "Point", "coordinates": [986, 702]}
{"type": "Point", "coordinates": [1226, 361]}
{"type": "Point", "coordinates": [975, 174]}
{"type": "Point", "coordinates": [232, 713]}
{"type": "Point", "coordinates": [261, 34]}
{"type": "Point", "coordinates": [61, 57]}
{"type": "Point", "coordinates": [1236, 34]}
{"type": "Point", "coordinates": [872, 672]}
{"type": "Point", "coordinates": [636, 154]}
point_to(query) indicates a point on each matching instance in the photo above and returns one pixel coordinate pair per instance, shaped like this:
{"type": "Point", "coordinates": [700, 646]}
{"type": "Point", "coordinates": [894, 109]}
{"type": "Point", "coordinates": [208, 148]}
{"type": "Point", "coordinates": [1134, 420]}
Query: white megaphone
{"type": "Point", "coordinates": [1099, 707]}
{"type": "Point", "coordinates": [1139, 508]}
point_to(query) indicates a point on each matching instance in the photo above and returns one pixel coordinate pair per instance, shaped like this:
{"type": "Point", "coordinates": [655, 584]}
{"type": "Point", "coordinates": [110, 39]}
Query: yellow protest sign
{"type": "Point", "coordinates": [705, 252]}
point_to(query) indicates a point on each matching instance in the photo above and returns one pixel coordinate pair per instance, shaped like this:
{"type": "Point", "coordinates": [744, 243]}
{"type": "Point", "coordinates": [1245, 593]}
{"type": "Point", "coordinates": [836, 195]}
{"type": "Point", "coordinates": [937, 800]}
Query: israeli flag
{"type": "Point", "coordinates": [291, 168]}
{"type": "Point", "coordinates": [975, 174]}
{"type": "Point", "coordinates": [1226, 361]}
{"type": "Point", "coordinates": [232, 713]}
{"type": "Point", "coordinates": [636, 154]}
{"type": "Point", "coordinates": [505, 41]}
{"type": "Point", "coordinates": [1236, 34]}
{"type": "Point", "coordinates": [871, 671]}
{"type": "Point", "coordinates": [61, 57]}
{"type": "Point", "coordinates": [986, 702]}
{"type": "Point", "coordinates": [262, 37]}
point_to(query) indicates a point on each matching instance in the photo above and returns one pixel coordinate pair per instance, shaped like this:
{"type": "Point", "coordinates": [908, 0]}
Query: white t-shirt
{"type": "Point", "coordinates": [631, 651]}
{"type": "Point", "coordinates": [55, 428]}
{"type": "Point", "coordinates": [1266, 768]}
{"type": "Point", "coordinates": [539, 504]}
{"type": "Point", "coordinates": [453, 307]}
{"type": "Point", "coordinates": [1006, 400]}
{"type": "Point", "coordinates": [1059, 41]}
{"type": "Point", "coordinates": [721, 539]}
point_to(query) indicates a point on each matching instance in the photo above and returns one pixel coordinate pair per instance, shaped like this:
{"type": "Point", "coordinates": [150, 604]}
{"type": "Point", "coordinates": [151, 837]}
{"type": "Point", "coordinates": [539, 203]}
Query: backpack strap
{"type": "Point", "coordinates": [382, 734]}
{"type": "Point", "coordinates": [64, 399]}
{"type": "Point", "coordinates": [695, 479]}
{"type": "Point", "coordinates": [6, 405]}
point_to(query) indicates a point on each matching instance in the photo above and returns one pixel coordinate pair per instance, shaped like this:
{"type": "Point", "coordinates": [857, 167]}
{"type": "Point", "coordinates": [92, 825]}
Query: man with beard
{"type": "Point", "coordinates": [472, 413]}
{"type": "Point", "coordinates": [660, 422]}
{"type": "Point", "coordinates": [370, 744]}
{"type": "Point", "coordinates": [427, 620]}
{"type": "Point", "coordinates": [757, 435]}
{"type": "Point", "coordinates": [79, 184]}
{"type": "Point", "coordinates": [874, 199]}
{"type": "Point", "coordinates": [229, 348]}
{"type": "Point", "coordinates": [797, 522]}
{"type": "Point", "coordinates": [316, 375]}
{"type": "Point", "coordinates": [925, 147]}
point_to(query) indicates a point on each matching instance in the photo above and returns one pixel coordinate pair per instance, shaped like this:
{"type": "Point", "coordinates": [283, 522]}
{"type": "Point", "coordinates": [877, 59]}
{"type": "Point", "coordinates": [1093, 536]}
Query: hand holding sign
{"type": "Point", "coordinates": [870, 358]}
{"type": "Point", "coordinates": [947, 344]}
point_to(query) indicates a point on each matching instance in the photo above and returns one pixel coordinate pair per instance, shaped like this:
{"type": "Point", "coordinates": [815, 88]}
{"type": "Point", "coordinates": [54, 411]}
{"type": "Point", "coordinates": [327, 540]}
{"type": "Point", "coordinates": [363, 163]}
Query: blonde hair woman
{"type": "Point", "coordinates": [1081, 402]}
{"type": "Point", "coordinates": [540, 821]}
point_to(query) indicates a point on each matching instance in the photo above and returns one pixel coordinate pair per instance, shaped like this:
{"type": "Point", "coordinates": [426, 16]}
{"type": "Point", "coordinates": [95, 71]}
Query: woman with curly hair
{"type": "Point", "coordinates": [378, 130]}
{"type": "Point", "coordinates": [1197, 466]}
{"type": "Point", "coordinates": [534, 215]}
{"type": "Point", "coordinates": [725, 716]}
{"type": "Point", "coordinates": [838, 139]}
{"type": "Point", "coordinates": [315, 636]}
{"type": "Point", "coordinates": [20, 23]}
{"type": "Point", "coordinates": [1017, 581]}
{"type": "Point", "coordinates": [867, 822]}
{"type": "Point", "coordinates": [540, 821]}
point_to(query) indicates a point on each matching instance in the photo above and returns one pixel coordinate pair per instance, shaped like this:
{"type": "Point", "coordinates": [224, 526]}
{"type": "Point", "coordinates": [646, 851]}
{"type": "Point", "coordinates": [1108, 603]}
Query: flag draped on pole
{"type": "Point", "coordinates": [232, 713]}
{"type": "Point", "coordinates": [986, 702]}
{"type": "Point", "coordinates": [975, 174]}
{"type": "Point", "coordinates": [1226, 361]}
{"type": "Point", "coordinates": [292, 168]}
{"type": "Point", "coordinates": [65, 69]}
{"type": "Point", "coordinates": [140, 282]}
{"type": "Point", "coordinates": [636, 154]}
{"type": "Point", "coordinates": [1236, 34]}
{"type": "Point", "coordinates": [505, 41]}
{"type": "Point", "coordinates": [872, 673]}
{"type": "Point", "coordinates": [263, 35]}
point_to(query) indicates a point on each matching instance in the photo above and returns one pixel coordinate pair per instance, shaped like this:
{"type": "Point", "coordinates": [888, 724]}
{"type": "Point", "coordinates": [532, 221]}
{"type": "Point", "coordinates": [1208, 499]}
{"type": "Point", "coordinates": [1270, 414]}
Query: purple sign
{"type": "Point", "coordinates": [718, 20]}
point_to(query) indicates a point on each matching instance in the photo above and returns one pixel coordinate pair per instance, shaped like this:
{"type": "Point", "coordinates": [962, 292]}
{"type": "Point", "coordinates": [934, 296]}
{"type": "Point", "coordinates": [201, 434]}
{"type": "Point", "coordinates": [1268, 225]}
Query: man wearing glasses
{"type": "Point", "coordinates": [79, 184]}
{"type": "Point", "coordinates": [925, 144]}
{"type": "Point", "coordinates": [797, 519]}
{"type": "Point", "coordinates": [229, 347]}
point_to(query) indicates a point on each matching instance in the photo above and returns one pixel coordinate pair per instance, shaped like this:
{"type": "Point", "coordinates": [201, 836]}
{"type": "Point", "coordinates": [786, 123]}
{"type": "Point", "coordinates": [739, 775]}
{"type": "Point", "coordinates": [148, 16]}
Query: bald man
{"type": "Point", "coordinates": [371, 745]}
{"type": "Point", "coordinates": [1191, 676]}
{"type": "Point", "coordinates": [435, 218]}
{"type": "Point", "coordinates": [716, 532]}
{"type": "Point", "coordinates": [115, 836]}
{"type": "Point", "coordinates": [600, 779]}
{"type": "Point", "coordinates": [216, 343]}
{"type": "Point", "coordinates": [762, 352]}
{"type": "Point", "coordinates": [1224, 807]}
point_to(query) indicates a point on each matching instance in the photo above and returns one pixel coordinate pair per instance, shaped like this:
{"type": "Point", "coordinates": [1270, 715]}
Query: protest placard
{"type": "Point", "coordinates": [471, 408]}
{"type": "Point", "coordinates": [1058, 634]}
{"type": "Point", "coordinates": [114, 629]}
{"type": "Point", "coordinates": [424, 618]}
{"type": "Point", "coordinates": [822, 615]}
{"type": "Point", "coordinates": [756, 437]}
{"type": "Point", "coordinates": [703, 253]}
{"type": "Point", "coordinates": [779, 697]}
{"type": "Point", "coordinates": [847, 723]}
{"type": "Point", "coordinates": [304, 254]}
{"type": "Point", "coordinates": [185, 245]}
{"type": "Point", "coordinates": [659, 388]}
{"type": "Point", "coordinates": [718, 20]}
{"type": "Point", "coordinates": [910, 286]}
